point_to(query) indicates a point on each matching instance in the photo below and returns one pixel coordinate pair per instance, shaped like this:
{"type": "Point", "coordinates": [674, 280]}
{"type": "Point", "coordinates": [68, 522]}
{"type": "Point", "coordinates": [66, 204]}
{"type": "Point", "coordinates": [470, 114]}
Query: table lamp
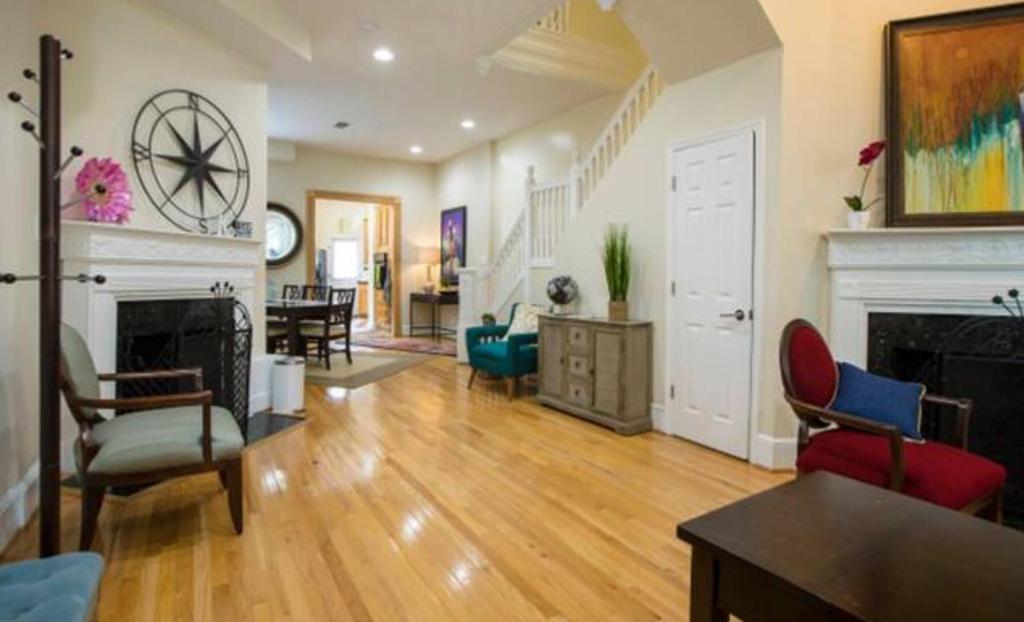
{"type": "Point", "coordinates": [430, 256]}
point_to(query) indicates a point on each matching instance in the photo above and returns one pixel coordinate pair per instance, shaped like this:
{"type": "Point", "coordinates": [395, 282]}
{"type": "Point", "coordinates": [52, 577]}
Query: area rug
{"type": "Point", "coordinates": [421, 345]}
{"type": "Point", "coordinates": [367, 366]}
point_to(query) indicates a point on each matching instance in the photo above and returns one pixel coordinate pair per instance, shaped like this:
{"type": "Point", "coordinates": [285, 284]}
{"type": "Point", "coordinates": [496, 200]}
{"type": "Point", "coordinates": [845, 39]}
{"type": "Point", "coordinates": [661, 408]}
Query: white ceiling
{"type": "Point", "coordinates": [419, 98]}
{"type": "Point", "coordinates": [686, 38]}
{"type": "Point", "coordinates": [422, 95]}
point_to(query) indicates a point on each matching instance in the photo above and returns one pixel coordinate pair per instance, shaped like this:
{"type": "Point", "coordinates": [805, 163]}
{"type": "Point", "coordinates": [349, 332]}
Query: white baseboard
{"type": "Point", "coordinates": [773, 453]}
{"type": "Point", "coordinates": [18, 503]}
{"type": "Point", "coordinates": [658, 421]}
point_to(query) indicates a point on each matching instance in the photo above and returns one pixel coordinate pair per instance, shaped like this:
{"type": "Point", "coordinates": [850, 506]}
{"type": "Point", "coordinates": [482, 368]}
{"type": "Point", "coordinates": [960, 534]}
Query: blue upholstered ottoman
{"type": "Point", "coordinates": [55, 589]}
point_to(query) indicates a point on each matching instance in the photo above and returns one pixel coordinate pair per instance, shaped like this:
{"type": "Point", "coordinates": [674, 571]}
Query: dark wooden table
{"type": "Point", "coordinates": [294, 311]}
{"type": "Point", "coordinates": [829, 548]}
{"type": "Point", "coordinates": [436, 301]}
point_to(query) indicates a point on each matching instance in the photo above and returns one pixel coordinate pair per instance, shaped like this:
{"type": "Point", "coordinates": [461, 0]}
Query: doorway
{"type": "Point", "coordinates": [712, 232]}
{"type": "Point", "coordinates": [355, 242]}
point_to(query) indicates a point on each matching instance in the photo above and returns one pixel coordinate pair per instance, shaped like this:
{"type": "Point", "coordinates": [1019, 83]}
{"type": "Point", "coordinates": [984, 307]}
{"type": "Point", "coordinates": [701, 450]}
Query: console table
{"type": "Point", "coordinates": [826, 548]}
{"type": "Point", "coordinates": [436, 301]}
{"type": "Point", "coordinates": [597, 369]}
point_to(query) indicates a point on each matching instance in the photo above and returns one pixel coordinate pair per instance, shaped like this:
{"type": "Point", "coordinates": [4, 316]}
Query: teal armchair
{"type": "Point", "coordinates": [508, 358]}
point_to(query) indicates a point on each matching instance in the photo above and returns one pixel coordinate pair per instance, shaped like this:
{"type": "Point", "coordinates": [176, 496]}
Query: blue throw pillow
{"type": "Point", "coordinates": [880, 399]}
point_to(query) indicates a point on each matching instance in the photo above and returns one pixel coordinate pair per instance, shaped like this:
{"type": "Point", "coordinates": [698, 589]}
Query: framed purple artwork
{"type": "Point", "coordinates": [453, 245]}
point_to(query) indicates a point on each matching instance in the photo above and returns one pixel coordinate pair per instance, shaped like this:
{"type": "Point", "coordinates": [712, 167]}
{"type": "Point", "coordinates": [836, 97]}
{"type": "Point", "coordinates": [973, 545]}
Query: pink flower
{"type": "Point", "coordinates": [870, 153]}
{"type": "Point", "coordinates": [104, 183]}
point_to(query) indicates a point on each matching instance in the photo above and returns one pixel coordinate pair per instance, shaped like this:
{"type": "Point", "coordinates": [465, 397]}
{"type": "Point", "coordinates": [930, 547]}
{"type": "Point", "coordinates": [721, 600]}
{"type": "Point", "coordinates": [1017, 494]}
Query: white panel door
{"type": "Point", "coordinates": [710, 310]}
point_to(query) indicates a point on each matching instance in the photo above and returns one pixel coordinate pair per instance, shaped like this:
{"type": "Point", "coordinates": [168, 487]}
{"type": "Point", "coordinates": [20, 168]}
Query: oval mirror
{"type": "Point", "coordinates": [284, 235]}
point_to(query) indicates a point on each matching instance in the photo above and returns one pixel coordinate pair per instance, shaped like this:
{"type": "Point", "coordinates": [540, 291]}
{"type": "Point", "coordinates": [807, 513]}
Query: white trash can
{"type": "Point", "coordinates": [289, 378]}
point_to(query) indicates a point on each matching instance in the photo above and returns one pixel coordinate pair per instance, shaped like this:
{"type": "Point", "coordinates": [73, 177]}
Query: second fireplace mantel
{"type": "Point", "coordinates": [942, 270]}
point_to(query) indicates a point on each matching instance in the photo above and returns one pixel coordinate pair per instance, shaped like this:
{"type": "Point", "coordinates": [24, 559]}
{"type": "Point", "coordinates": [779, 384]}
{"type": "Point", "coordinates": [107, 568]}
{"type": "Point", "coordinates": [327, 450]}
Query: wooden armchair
{"type": "Point", "coordinates": [165, 436]}
{"type": "Point", "coordinates": [875, 452]}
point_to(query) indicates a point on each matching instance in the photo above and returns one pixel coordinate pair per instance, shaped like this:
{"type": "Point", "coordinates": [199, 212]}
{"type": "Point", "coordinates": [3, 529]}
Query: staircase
{"type": "Point", "coordinates": [549, 209]}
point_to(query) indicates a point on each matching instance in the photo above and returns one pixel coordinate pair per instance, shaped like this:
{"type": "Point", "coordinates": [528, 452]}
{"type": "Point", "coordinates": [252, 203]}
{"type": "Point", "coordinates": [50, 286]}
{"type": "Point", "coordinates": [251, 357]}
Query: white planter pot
{"type": "Point", "coordinates": [858, 220]}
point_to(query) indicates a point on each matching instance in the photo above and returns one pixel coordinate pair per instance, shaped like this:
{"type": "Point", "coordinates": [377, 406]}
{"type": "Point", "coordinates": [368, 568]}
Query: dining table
{"type": "Point", "coordinates": [293, 312]}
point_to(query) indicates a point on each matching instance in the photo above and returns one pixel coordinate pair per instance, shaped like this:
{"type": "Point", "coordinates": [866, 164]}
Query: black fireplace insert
{"type": "Point", "coordinates": [963, 356]}
{"type": "Point", "coordinates": [213, 334]}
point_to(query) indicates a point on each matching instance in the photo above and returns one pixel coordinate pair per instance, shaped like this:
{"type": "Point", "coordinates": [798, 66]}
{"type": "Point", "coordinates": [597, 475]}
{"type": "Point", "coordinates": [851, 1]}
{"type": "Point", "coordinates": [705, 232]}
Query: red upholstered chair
{"type": "Point", "coordinates": [874, 452]}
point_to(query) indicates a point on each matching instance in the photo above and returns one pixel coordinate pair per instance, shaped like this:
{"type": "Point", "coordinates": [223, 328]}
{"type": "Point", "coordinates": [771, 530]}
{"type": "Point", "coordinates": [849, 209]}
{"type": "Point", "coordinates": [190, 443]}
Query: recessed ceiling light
{"type": "Point", "coordinates": [468, 124]}
{"type": "Point", "coordinates": [415, 150]}
{"type": "Point", "coordinates": [384, 55]}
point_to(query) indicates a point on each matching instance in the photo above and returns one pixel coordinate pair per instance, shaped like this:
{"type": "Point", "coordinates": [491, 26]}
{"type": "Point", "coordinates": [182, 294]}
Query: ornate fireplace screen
{"type": "Point", "coordinates": [214, 334]}
{"type": "Point", "coordinates": [979, 339]}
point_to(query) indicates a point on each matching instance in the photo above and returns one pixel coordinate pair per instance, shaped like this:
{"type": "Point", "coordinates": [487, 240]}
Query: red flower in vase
{"type": "Point", "coordinates": [870, 153]}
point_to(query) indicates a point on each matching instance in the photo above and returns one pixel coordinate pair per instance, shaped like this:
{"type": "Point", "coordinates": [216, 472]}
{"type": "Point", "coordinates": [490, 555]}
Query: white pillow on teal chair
{"type": "Point", "coordinates": [524, 321]}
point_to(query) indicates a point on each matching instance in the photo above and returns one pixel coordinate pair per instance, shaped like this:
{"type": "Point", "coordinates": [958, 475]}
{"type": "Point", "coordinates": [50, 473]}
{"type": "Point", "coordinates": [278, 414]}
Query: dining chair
{"type": "Point", "coordinates": [336, 324]}
{"type": "Point", "coordinates": [315, 292]}
{"type": "Point", "coordinates": [277, 327]}
{"type": "Point", "coordinates": [163, 437]}
{"type": "Point", "coordinates": [872, 451]}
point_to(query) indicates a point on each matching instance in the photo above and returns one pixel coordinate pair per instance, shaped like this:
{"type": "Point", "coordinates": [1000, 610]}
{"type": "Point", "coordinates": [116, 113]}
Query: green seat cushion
{"type": "Point", "coordinates": [337, 330]}
{"type": "Point", "coordinates": [148, 440]}
{"type": "Point", "coordinates": [56, 588]}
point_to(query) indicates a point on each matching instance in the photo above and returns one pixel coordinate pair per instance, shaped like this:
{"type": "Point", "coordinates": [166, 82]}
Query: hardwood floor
{"type": "Point", "coordinates": [417, 499]}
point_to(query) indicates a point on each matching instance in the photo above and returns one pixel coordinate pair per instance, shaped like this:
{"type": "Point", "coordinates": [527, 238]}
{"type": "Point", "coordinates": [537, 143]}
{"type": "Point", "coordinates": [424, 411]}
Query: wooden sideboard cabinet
{"type": "Point", "coordinates": [597, 369]}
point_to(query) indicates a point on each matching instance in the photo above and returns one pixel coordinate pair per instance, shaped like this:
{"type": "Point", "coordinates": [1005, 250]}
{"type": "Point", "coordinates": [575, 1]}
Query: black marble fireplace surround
{"type": "Point", "coordinates": [961, 356]}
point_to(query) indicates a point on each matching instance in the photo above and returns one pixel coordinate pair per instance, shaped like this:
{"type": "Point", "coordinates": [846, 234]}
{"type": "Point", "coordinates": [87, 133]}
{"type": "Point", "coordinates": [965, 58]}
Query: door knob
{"type": "Point", "coordinates": [739, 315]}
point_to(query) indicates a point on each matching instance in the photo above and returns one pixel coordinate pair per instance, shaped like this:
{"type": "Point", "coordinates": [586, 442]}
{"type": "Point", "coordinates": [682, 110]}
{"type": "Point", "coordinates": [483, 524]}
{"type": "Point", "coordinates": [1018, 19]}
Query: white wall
{"type": "Point", "coordinates": [19, 320]}
{"type": "Point", "coordinates": [490, 179]}
{"type": "Point", "coordinates": [466, 180]}
{"type": "Point", "coordinates": [548, 147]}
{"type": "Point", "coordinates": [833, 97]}
{"type": "Point", "coordinates": [125, 52]}
{"type": "Point", "coordinates": [128, 51]}
{"type": "Point", "coordinates": [634, 191]}
{"type": "Point", "coordinates": [414, 183]}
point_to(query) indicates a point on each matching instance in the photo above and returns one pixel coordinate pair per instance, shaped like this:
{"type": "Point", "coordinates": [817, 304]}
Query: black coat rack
{"type": "Point", "coordinates": [50, 277]}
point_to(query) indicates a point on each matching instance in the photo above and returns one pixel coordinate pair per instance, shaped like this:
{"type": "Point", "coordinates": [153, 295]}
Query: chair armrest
{"type": "Point", "coordinates": [517, 341]}
{"type": "Point", "coordinates": [199, 398]}
{"type": "Point", "coordinates": [964, 408]}
{"type": "Point", "coordinates": [195, 373]}
{"type": "Point", "coordinates": [807, 412]}
{"type": "Point", "coordinates": [479, 334]}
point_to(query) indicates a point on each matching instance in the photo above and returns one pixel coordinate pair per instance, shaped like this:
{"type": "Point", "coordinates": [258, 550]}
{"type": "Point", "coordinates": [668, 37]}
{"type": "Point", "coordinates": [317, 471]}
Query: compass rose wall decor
{"type": "Point", "coordinates": [190, 161]}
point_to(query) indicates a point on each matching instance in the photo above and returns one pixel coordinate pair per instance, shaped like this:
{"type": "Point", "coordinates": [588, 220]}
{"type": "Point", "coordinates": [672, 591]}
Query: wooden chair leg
{"type": "Point", "coordinates": [92, 501]}
{"type": "Point", "coordinates": [233, 474]}
{"type": "Point", "coordinates": [511, 383]}
{"type": "Point", "coordinates": [472, 377]}
{"type": "Point", "coordinates": [327, 353]}
{"type": "Point", "coordinates": [223, 475]}
{"type": "Point", "coordinates": [348, 345]}
{"type": "Point", "coordinates": [996, 508]}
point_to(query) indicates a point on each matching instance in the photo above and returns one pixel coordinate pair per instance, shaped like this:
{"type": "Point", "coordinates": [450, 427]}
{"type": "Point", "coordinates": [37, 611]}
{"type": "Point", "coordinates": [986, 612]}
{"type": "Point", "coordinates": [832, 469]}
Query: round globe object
{"type": "Point", "coordinates": [562, 290]}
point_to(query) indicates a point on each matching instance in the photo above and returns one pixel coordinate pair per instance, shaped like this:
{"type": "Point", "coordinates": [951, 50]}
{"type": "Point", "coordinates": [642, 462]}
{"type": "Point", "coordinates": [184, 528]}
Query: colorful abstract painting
{"type": "Point", "coordinates": [957, 117]}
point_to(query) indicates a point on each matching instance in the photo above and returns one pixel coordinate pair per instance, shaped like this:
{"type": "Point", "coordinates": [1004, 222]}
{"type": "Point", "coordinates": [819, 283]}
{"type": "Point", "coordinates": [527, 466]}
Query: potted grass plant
{"type": "Point", "coordinates": [618, 262]}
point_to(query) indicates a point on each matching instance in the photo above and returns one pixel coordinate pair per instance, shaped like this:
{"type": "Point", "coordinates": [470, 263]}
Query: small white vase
{"type": "Point", "coordinates": [858, 220]}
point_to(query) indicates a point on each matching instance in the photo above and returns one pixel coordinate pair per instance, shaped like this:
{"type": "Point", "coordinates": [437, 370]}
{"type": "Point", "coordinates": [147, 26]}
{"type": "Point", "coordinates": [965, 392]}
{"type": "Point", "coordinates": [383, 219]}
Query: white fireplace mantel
{"type": "Point", "coordinates": [940, 270]}
{"type": "Point", "coordinates": [146, 264]}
